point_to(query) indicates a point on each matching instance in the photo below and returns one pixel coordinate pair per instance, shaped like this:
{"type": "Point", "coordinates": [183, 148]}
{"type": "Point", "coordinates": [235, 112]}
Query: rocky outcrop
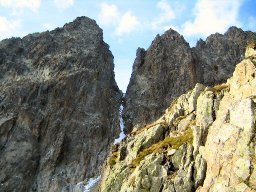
{"type": "Point", "coordinates": [205, 141]}
{"type": "Point", "coordinates": [155, 79]}
{"type": "Point", "coordinates": [170, 67]}
{"type": "Point", "coordinates": [59, 107]}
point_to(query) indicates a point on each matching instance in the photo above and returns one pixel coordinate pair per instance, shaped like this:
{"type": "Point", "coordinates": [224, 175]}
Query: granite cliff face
{"type": "Point", "coordinates": [170, 67]}
{"type": "Point", "coordinates": [205, 141]}
{"type": "Point", "coordinates": [59, 107]}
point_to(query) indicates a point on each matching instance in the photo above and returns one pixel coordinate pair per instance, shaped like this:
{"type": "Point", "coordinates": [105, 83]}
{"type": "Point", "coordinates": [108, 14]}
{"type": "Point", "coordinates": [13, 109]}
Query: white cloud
{"type": "Point", "coordinates": [127, 24]}
{"type": "Point", "coordinates": [33, 5]}
{"type": "Point", "coordinates": [167, 14]}
{"type": "Point", "coordinates": [8, 28]}
{"type": "Point", "coordinates": [123, 23]}
{"type": "Point", "coordinates": [64, 4]}
{"type": "Point", "coordinates": [212, 16]}
{"type": "Point", "coordinates": [109, 14]}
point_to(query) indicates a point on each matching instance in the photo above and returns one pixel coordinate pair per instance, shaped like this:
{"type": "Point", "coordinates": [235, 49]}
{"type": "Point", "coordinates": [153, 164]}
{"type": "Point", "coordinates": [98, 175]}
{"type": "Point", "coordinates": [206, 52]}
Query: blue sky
{"type": "Point", "coordinates": [129, 24]}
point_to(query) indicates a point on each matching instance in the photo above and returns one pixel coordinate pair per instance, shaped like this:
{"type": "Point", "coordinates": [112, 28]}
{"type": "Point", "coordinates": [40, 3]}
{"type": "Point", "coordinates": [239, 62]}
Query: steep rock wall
{"type": "Point", "coordinates": [160, 74]}
{"type": "Point", "coordinates": [59, 106]}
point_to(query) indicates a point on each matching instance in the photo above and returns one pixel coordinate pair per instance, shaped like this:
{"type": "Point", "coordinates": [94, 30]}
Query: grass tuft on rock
{"type": "Point", "coordinates": [168, 142]}
{"type": "Point", "coordinates": [112, 159]}
{"type": "Point", "coordinates": [218, 88]}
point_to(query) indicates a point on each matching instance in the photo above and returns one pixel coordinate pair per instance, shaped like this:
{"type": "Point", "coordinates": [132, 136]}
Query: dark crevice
{"type": "Point", "coordinates": [63, 148]}
{"type": "Point", "coordinates": [193, 171]}
{"type": "Point", "coordinates": [161, 188]}
{"type": "Point", "coordinates": [174, 188]}
{"type": "Point", "coordinates": [214, 107]}
{"type": "Point", "coordinates": [171, 169]}
{"type": "Point", "coordinates": [9, 134]}
{"type": "Point", "coordinates": [216, 68]}
{"type": "Point", "coordinates": [164, 161]}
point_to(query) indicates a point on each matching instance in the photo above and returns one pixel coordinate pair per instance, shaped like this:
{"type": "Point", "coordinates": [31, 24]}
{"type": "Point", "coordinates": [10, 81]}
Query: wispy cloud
{"type": "Point", "coordinates": [109, 14]}
{"type": "Point", "coordinates": [8, 28]}
{"type": "Point", "coordinates": [127, 24]}
{"type": "Point", "coordinates": [63, 4]}
{"type": "Point", "coordinates": [212, 16]}
{"type": "Point", "coordinates": [166, 15]}
{"type": "Point", "coordinates": [16, 5]}
{"type": "Point", "coordinates": [123, 23]}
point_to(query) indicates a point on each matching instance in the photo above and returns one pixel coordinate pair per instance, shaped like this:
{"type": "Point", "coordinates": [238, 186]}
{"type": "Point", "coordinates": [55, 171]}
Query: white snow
{"type": "Point", "coordinates": [91, 182]}
{"type": "Point", "coordinates": [86, 186]}
{"type": "Point", "coordinates": [122, 134]}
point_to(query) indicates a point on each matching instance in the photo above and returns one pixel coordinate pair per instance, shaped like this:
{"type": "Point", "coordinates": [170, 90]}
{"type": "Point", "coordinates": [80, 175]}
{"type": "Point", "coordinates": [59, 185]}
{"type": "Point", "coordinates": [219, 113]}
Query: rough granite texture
{"type": "Point", "coordinates": [204, 142]}
{"type": "Point", "coordinates": [170, 67]}
{"type": "Point", "coordinates": [59, 107]}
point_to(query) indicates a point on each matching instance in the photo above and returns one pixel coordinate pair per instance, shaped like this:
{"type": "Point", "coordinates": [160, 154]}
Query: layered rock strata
{"type": "Point", "coordinates": [59, 107]}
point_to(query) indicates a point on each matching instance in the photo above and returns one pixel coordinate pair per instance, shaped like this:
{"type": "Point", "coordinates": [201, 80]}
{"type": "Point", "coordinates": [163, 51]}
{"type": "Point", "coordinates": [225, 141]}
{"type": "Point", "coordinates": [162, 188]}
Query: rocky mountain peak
{"type": "Point", "coordinates": [82, 21]}
{"type": "Point", "coordinates": [169, 38]}
{"type": "Point", "coordinates": [170, 67]}
{"type": "Point", "coordinates": [59, 107]}
{"type": "Point", "coordinates": [234, 31]}
{"type": "Point", "coordinates": [156, 73]}
{"type": "Point", "coordinates": [171, 34]}
{"type": "Point", "coordinates": [84, 24]}
{"type": "Point", "coordinates": [188, 129]}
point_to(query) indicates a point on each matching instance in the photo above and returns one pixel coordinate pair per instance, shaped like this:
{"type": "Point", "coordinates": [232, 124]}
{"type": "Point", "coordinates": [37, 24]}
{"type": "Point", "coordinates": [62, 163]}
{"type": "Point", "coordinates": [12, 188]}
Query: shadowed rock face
{"type": "Point", "coordinates": [170, 67]}
{"type": "Point", "coordinates": [219, 54]}
{"type": "Point", "coordinates": [166, 70]}
{"type": "Point", "coordinates": [59, 107]}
